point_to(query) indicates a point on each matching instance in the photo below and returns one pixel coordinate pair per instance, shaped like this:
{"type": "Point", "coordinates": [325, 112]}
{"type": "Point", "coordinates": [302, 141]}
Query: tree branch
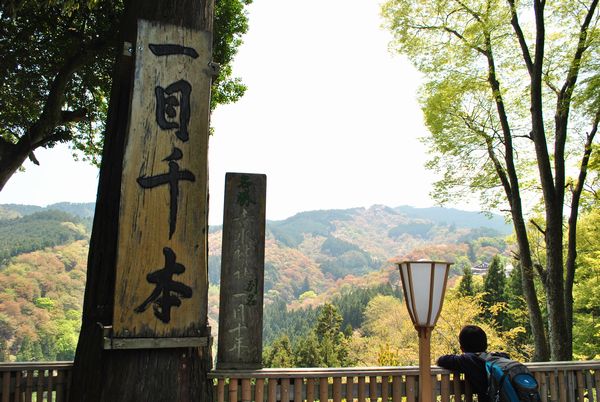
{"type": "Point", "coordinates": [573, 217]}
{"type": "Point", "coordinates": [563, 102]}
{"type": "Point", "coordinates": [528, 136]}
{"type": "Point", "coordinates": [491, 152]}
{"type": "Point", "coordinates": [33, 159]}
{"type": "Point", "coordinates": [470, 11]}
{"type": "Point", "coordinates": [541, 272]}
{"type": "Point", "coordinates": [550, 85]}
{"type": "Point", "coordinates": [520, 36]}
{"type": "Point", "coordinates": [60, 136]}
{"type": "Point", "coordinates": [461, 37]}
{"type": "Point", "coordinates": [500, 171]}
{"type": "Point", "coordinates": [73, 116]}
{"type": "Point", "coordinates": [450, 31]}
{"type": "Point", "coordinates": [510, 171]}
{"type": "Point", "coordinates": [6, 147]}
{"type": "Point", "coordinates": [538, 227]}
{"type": "Point", "coordinates": [551, 195]}
{"type": "Point", "coordinates": [52, 115]}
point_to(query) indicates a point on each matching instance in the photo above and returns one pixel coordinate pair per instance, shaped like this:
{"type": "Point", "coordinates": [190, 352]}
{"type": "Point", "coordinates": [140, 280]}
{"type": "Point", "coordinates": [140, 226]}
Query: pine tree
{"type": "Point", "coordinates": [305, 285]}
{"type": "Point", "coordinates": [279, 354]}
{"type": "Point", "coordinates": [516, 314]}
{"type": "Point", "coordinates": [471, 253]}
{"type": "Point", "coordinates": [329, 322]}
{"type": "Point", "coordinates": [494, 297]}
{"type": "Point", "coordinates": [307, 352]}
{"type": "Point", "coordinates": [514, 287]}
{"type": "Point", "coordinates": [30, 351]}
{"type": "Point", "coordinates": [465, 287]}
{"type": "Point", "coordinates": [332, 342]}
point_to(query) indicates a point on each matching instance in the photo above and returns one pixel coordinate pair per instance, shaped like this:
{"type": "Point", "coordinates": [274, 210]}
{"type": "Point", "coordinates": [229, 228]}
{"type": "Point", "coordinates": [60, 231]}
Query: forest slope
{"type": "Point", "coordinates": [309, 258]}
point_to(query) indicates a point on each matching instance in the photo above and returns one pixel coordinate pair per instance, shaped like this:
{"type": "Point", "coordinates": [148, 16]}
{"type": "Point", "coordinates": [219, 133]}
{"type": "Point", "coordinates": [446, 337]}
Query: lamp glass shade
{"type": "Point", "coordinates": [424, 284]}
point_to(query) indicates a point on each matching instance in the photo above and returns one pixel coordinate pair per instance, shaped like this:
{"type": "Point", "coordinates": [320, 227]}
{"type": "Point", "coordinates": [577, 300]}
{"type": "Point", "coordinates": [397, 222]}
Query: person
{"type": "Point", "coordinates": [473, 341]}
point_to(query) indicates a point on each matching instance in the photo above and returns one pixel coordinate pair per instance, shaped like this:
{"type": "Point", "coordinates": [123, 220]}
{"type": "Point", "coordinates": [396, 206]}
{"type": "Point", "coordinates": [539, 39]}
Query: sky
{"type": "Point", "coordinates": [330, 116]}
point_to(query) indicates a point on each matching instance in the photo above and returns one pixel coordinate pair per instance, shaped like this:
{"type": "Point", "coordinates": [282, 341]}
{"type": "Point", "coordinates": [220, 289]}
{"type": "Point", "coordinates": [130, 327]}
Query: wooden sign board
{"type": "Point", "coordinates": [161, 281]}
{"type": "Point", "coordinates": [242, 272]}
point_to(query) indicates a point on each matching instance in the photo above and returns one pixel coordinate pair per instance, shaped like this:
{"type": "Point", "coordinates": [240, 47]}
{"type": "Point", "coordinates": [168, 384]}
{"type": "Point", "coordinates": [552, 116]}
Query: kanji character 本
{"type": "Point", "coordinates": [167, 292]}
{"type": "Point", "coordinates": [172, 179]}
{"type": "Point", "coordinates": [166, 101]}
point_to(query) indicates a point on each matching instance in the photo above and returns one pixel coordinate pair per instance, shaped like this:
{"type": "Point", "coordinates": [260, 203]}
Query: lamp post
{"type": "Point", "coordinates": [424, 285]}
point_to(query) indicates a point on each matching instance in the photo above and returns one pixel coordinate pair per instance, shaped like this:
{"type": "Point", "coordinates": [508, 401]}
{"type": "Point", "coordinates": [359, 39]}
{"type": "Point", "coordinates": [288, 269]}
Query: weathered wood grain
{"type": "Point", "coordinates": [145, 223]}
{"type": "Point", "coordinates": [242, 272]}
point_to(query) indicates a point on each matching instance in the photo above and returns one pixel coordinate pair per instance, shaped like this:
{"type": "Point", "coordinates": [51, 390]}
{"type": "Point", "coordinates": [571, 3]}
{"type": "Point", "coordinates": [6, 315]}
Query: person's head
{"type": "Point", "coordinates": [472, 339]}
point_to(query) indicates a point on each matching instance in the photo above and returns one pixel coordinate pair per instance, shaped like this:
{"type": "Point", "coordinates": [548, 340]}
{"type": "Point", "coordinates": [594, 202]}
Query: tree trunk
{"type": "Point", "coordinates": [510, 182]}
{"type": "Point", "coordinates": [553, 196]}
{"type": "Point", "coordinates": [572, 231]}
{"type": "Point", "coordinates": [541, 352]}
{"type": "Point", "coordinates": [557, 320]}
{"type": "Point", "coordinates": [177, 374]}
{"type": "Point", "coordinates": [12, 156]}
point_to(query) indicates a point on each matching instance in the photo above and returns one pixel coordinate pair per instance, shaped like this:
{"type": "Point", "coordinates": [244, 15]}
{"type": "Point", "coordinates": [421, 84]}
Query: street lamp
{"type": "Point", "coordinates": [424, 284]}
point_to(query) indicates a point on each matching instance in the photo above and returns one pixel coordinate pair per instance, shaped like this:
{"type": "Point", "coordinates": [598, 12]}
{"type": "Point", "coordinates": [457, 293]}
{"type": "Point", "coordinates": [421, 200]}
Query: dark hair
{"type": "Point", "coordinates": [473, 339]}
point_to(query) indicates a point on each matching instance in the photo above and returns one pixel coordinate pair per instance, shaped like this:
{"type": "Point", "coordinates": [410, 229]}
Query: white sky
{"type": "Point", "coordinates": [330, 116]}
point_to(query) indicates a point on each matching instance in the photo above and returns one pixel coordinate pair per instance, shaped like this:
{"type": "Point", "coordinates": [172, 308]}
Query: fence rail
{"type": "Point", "coordinates": [35, 382]}
{"type": "Point", "coordinates": [559, 382]}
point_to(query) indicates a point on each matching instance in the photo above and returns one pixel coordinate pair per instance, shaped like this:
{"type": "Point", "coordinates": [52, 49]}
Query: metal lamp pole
{"type": "Point", "coordinates": [424, 285]}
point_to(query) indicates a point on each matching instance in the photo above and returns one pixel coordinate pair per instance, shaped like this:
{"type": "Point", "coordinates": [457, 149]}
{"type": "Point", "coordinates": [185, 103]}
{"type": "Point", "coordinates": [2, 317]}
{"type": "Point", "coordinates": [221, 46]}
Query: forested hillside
{"type": "Point", "coordinates": [81, 210]}
{"type": "Point", "coordinates": [39, 230]}
{"type": "Point", "coordinates": [43, 257]}
{"type": "Point", "coordinates": [41, 295]}
{"type": "Point", "coordinates": [342, 257]}
{"type": "Point", "coordinates": [310, 255]}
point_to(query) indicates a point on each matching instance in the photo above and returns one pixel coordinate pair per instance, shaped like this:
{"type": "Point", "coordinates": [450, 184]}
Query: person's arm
{"type": "Point", "coordinates": [449, 362]}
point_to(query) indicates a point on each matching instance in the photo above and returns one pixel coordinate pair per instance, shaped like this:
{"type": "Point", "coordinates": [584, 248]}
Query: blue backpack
{"type": "Point", "coordinates": [509, 380]}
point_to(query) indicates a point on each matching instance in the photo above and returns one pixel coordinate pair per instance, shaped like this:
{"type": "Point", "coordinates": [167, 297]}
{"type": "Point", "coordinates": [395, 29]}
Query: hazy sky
{"type": "Point", "coordinates": [330, 116]}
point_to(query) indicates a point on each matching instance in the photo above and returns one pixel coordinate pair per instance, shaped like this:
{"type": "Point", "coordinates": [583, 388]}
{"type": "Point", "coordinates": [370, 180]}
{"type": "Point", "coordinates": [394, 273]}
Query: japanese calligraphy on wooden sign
{"type": "Point", "coordinates": [161, 282]}
{"type": "Point", "coordinates": [242, 272]}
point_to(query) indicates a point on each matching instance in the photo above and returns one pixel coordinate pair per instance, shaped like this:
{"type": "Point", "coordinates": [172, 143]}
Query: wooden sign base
{"type": "Point", "coordinates": [111, 343]}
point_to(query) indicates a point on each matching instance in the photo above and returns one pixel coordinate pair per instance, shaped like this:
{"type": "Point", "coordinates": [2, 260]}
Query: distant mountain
{"type": "Point", "coordinates": [327, 247]}
{"type": "Point", "coordinates": [36, 231]}
{"type": "Point", "coordinates": [320, 220]}
{"type": "Point", "coordinates": [41, 299]}
{"type": "Point", "coordinates": [310, 258]}
{"type": "Point", "coordinates": [315, 247]}
{"type": "Point", "coordinates": [82, 210]}
{"type": "Point", "coordinates": [12, 211]}
{"type": "Point", "coordinates": [457, 217]}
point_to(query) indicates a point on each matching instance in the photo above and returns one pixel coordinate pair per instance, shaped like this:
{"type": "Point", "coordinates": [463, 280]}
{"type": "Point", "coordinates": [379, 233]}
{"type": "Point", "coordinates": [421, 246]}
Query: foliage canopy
{"type": "Point", "coordinates": [512, 104]}
{"type": "Point", "coordinates": [57, 60]}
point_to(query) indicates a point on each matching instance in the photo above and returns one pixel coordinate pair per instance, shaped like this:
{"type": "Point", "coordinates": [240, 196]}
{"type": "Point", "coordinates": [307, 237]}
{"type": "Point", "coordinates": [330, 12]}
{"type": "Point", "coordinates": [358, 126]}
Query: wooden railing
{"type": "Point", "coordinates": [36, 381]}
{"type": "Point", "coordinates": [559, 382]}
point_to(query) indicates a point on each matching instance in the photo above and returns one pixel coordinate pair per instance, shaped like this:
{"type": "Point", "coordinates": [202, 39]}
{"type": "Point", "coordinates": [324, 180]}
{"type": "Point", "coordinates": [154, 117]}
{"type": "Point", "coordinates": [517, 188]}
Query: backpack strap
{"type": "Point", "coordinates": [484, 356]}
{"type": "Point", "coordinates": [501, 381]}
{"type": "Point", "coordinates": [489, 366]}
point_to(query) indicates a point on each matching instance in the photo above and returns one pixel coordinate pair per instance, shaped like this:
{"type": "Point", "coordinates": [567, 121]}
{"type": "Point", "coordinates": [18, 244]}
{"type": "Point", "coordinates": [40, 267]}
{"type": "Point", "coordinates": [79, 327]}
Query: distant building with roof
{"type": "Point", "coordinates": [480, 269]}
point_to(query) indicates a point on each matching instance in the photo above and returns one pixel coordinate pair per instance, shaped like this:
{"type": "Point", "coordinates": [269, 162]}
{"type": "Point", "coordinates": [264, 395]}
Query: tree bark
{"type": "Point", "coordinates": [510, 182]}
{"type": "Point", "coordinates": [42, 131]}
{"type": "Point", "coordinates": [561, 128]}
{"type": "Point", "coordinates": [12, 156]}
{"type": "Point", "coordinates": [571, 261]}
{"type": "Point", "coordinates": [557, 320]}
{"type": "Point", "coordinates": [177, 374]}
{"type": "Point", "coordinates": [553, 195]}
